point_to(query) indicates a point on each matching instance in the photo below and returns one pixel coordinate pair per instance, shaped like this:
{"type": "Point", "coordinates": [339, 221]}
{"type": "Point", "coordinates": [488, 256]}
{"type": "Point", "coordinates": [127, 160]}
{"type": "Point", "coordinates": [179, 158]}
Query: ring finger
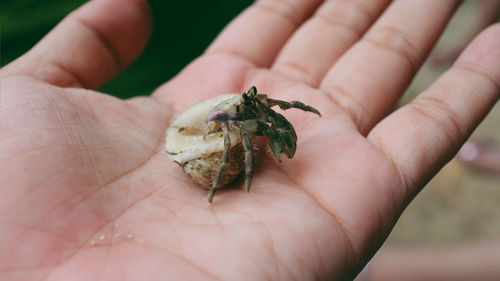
{"type": "Point", "coordinates": [315, 47]}
{"type": "Point", "coordinates": [367, 81]}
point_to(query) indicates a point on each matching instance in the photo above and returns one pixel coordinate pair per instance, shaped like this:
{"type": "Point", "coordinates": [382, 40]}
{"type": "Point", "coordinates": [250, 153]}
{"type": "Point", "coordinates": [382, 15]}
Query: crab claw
{"type": "Point", "coordinates": [275, 147]}
{"type": "Point", "coordinates": [288, 145]}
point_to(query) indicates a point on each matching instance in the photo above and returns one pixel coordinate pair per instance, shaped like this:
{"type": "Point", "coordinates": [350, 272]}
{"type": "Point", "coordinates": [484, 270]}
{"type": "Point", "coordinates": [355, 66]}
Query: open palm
{"type": "Point", "coordinates": [89, 194]}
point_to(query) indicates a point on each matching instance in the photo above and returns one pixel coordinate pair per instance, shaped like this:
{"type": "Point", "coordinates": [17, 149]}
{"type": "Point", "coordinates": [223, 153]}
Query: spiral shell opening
{"type": "Point", "coordinates": [199, 158]}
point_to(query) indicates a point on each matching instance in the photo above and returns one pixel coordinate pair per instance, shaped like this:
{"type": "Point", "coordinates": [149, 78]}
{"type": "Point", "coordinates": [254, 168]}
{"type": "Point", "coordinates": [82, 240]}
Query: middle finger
{"type": "Point", "coordinates": [315, 47]}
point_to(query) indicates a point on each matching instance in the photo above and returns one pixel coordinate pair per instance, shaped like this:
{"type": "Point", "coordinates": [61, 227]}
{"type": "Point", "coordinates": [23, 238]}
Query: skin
{"type": "Point", "coordinates": [89, 194]}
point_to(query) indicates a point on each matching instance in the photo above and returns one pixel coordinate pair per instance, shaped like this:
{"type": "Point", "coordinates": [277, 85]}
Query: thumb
{"type": "Point", "coordinates": [90, 46]}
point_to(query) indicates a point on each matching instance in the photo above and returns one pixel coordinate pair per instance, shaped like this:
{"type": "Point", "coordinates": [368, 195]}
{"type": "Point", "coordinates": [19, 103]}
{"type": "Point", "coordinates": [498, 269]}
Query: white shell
{"type": "Point", "coordinates": [200, 158]}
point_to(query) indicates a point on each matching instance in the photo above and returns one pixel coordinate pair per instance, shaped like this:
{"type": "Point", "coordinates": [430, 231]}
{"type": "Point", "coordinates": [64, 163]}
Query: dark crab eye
{"type": "Point", "coordinates": [252, 91]}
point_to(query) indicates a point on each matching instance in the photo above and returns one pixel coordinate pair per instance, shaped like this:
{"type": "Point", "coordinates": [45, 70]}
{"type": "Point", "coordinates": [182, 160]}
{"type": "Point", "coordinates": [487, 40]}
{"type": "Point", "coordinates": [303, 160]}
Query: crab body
{"type": "Point", "coordinates": [214, 140]}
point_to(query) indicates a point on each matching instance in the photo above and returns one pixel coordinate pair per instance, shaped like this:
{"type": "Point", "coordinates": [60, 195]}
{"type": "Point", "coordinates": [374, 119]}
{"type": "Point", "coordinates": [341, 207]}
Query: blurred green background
{"type": "Point", "coordinates": [181, 32]}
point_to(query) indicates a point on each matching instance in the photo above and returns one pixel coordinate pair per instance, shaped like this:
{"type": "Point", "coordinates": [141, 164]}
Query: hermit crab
{"type": "Point", "coordinates": [213, 141]}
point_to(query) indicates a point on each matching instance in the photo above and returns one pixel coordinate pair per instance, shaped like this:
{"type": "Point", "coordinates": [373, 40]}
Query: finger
{"type": "Point", "coordinates": [262, 29]}
{"type": "Point", "coordinates": [89, 46]}
{"type": "Point", "coordinates": [315, 47]}
{"type": "Point", "coordinates": [421, 136]}
{"type": "Point", "coordinates": [370, 77]}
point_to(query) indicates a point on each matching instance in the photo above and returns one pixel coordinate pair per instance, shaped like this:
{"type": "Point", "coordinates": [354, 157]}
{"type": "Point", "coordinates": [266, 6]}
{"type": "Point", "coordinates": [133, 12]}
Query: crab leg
{"type": "Point", "coordinates": [225, 159]}
{"type": "Point", "coordinates": [292, 104]}
{"type": "Point", "coordinates": [247, 147]}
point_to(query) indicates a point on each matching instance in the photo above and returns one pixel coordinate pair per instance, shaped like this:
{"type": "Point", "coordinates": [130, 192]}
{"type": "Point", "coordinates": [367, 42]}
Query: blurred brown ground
{"type": "Point", "coordinates": [460, 204]}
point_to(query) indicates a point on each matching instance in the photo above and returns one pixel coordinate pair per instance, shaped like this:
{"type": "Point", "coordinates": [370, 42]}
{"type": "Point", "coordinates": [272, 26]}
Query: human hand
{"type": "Point", "coordinates": [88, 192]}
